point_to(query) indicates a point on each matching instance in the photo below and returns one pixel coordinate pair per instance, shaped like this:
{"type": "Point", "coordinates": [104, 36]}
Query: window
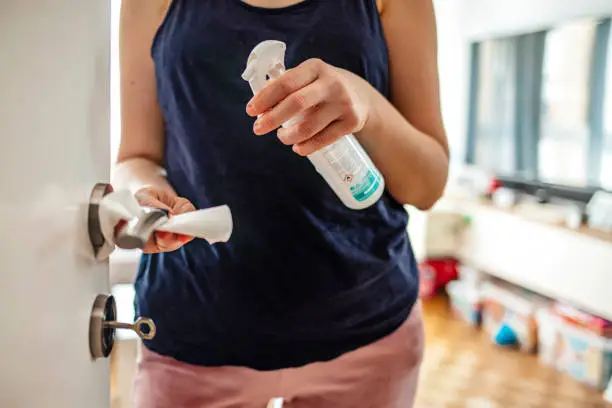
{"type": "Point", "coordinates": [564, 135]}
{"type": "Point", "coordinates": [506, 76]}
{"type": "Point", "coordinates": [495, 125]}
{"type": "Point", "coordinates": [606, 161]}
{"type": "Point", "coordinates": [541, 105]}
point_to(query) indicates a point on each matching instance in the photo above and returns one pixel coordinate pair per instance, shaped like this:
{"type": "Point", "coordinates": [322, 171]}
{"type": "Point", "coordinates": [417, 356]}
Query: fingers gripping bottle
{"type": "Point", "coordinates": [344, 164]}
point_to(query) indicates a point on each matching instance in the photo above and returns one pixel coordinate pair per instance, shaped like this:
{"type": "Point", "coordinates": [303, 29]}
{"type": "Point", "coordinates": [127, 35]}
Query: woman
{"type": "Point", "coordinates": [309, 301]}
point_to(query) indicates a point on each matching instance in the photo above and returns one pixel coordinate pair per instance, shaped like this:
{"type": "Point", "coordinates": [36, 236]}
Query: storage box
{"type": "Point", "coordinates": [444, 269]}
{"type": "Point", "coordinates": [577, 317]}
{"type": "Point", "coordinates": [472, 277]}
{"type": "Point", "coordinates": [548, 337]}
{"type": "Point", "coordinates": [584, 355]}
{"type": "Point", "coordinates": [466, 303]}
{"type": "Point", "coordinates": [509, 315]}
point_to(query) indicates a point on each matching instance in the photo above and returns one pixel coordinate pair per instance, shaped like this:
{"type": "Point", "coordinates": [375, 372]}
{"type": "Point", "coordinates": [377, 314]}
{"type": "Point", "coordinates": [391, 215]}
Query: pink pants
{"type": "Point", "coordinates": [383, 374]}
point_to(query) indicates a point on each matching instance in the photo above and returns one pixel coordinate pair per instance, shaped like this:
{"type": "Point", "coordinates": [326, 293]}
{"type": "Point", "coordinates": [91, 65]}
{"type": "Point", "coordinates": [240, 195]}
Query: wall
{"type": "Point", "coordinates": [115, 114]}
{"type": "Point", "coordinates": [453, 64]}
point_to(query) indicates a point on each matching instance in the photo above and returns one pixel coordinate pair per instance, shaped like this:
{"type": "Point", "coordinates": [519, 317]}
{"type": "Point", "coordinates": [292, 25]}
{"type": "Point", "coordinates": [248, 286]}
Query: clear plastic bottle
{"type": "Point", "coordinates": [344, 164]}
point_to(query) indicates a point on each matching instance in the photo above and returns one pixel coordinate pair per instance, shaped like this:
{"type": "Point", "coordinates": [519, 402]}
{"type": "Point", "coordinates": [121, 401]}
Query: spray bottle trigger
{"type": "Point", "coordinates": [265, 62]}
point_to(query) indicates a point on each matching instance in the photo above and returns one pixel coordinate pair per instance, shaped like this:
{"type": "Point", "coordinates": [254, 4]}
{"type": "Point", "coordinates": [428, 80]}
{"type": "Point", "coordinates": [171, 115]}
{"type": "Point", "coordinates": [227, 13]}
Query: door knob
{"type": "Point", "coordinates": [103, 326]}
{"type": "Point", "coordinates": [138, 230]}
{"type": "Point", "coordinates": [134, 235]}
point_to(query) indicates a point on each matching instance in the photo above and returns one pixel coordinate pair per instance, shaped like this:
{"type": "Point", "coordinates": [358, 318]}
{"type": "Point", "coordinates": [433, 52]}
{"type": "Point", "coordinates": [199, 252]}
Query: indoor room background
{"type": "Point", "coordinates": [526, 91]}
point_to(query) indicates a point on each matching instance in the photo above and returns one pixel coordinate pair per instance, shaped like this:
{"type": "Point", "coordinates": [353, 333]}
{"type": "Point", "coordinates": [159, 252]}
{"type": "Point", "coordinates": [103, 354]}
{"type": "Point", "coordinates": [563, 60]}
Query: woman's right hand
{"type": "Point", "coordinates": [162, 241]}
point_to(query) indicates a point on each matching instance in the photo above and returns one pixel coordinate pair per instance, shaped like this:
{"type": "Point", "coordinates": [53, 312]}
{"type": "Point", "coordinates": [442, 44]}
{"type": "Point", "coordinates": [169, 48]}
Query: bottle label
{"type": "Point", "coordinates": [363, 191]}
{"type": "Point", "coordinates": [353, 169]}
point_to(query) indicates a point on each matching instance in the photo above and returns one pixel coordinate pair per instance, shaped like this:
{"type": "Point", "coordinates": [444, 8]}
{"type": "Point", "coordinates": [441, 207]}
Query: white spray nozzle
{"type": "Point", "coordinates": [266, 61]}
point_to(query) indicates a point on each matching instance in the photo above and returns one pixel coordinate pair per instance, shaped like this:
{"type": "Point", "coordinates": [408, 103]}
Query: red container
{"type": "Point", "coordinates": [445, 270]}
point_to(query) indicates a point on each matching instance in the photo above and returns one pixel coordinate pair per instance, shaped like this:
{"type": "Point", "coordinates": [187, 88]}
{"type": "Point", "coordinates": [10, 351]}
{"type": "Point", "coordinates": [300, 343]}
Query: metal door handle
{"type": "Point", "coordinates": [138, 230]}
{"type": "Point", "coordinates": [103, 326]}
{"type": "Point", "coordinates": [134, 235]}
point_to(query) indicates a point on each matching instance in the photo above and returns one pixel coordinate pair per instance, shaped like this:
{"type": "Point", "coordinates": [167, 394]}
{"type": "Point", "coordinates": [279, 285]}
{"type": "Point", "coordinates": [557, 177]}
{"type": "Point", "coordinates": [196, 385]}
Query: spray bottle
{"type": "Point", "coordinates": [344, 164]}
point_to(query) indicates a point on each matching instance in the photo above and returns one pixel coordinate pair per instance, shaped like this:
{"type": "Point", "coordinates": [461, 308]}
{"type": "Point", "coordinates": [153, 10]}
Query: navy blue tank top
{"type": "Point", "coordinates": [303, 278]}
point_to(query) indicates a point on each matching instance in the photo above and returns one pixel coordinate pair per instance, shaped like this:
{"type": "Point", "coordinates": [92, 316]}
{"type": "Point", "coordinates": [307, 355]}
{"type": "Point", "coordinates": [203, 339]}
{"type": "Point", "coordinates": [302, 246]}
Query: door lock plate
{"type": "Point", "coordinates": [103, 326]}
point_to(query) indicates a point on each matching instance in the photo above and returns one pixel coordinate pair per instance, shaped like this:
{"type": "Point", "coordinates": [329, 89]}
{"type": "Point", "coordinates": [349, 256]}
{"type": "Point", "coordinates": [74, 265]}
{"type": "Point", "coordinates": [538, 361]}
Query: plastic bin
{"type": "Point", "coordinates": [582, 319]}
{"type": "Point", "coordinates": [509, 315]}
{"type": "Point", "coordinates": [471, 276]}
{"type": "Point", "coordinates": [548, 337]}
{"type": "Point", "coordinates": [582, 354]}
{"type": "Point", "coordinates": [446, 270]}
{"type": "Point", "coordinates": [466, 302]}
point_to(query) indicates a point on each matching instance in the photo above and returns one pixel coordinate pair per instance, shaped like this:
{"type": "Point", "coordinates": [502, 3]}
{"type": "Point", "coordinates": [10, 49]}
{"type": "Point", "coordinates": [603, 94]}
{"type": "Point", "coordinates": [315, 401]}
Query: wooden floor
{"type": "Point", "coordinates": [462, 369]}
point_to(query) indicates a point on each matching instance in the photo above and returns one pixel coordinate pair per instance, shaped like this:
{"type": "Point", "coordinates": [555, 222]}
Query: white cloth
{"type": "Point", "coordinates": [212, 224]}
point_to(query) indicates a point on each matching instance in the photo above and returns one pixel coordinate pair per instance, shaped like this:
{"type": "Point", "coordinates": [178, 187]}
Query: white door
{"type": "Point", "coordinates": [54, 146]}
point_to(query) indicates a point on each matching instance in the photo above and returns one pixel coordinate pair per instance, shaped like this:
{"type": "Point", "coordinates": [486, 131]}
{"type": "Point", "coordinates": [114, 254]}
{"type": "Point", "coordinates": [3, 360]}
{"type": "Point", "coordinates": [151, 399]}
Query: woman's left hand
{"type": "Point", "coordinates": [326, 101]}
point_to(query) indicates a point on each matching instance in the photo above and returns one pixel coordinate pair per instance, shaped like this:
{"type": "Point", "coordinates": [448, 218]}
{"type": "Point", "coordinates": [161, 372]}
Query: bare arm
{"type": "Point", "coordinates": [406, 138]}
{"type": "Point", "coordinates": [141, 149]}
